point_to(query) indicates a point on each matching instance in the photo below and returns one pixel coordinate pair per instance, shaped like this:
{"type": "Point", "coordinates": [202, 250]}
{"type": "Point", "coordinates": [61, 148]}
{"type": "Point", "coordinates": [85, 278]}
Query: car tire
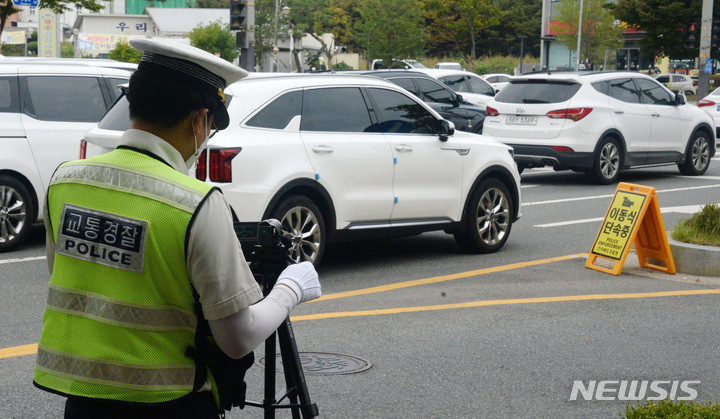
{"type": "Point", "coordinates": [489, 217]}
{"type": "Point", "coordinates": [697, 157]}
{"type": "Point", "coordinates": [16, 212]}
{"type": "Point", "coordinates": [607, 162]}
{"type": "Point", "coordinates": [302, 222]}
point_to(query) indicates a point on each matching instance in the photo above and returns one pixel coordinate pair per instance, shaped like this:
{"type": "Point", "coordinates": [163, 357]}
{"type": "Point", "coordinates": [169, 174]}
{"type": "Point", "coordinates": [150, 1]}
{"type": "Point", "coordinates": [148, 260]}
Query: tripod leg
{"type": "Point", "coordinates": [293, 369]}
{"type": "Point", "coordinates": [269, 399]}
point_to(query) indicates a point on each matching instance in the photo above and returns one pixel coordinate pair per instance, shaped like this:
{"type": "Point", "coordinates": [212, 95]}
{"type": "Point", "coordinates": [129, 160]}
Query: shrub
{"type": "Point", "coordinates": [672, 409]}
{"type": "Point", "coordinates": [702, 228]}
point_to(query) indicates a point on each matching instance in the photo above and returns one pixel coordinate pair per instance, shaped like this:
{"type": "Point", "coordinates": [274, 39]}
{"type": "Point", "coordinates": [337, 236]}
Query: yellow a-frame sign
{"type": "Point", "coordinates": [632, 218]}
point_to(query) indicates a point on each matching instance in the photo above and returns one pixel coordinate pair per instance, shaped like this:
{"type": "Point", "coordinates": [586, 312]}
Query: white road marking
{"type": "Point", "coordinates": [586, 198]}
{"type": "Point", "coordinates": [685, 209]}
{"type": "Point", "coordinates": [21, 259]}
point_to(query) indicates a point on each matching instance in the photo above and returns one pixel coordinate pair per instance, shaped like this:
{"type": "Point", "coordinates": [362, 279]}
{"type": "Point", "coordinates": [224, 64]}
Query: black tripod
{"type": "Point", "coordinates": [267, 260]}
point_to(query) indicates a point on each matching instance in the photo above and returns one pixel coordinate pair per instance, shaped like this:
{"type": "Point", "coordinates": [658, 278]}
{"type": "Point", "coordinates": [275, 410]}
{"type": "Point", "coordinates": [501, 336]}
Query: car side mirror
{"type": "Point", "coordinates": [446, 129]}
{"type": "Point", "coordinates": [459, 100]}
{"type": "Point", "coordinates": [680, 99]}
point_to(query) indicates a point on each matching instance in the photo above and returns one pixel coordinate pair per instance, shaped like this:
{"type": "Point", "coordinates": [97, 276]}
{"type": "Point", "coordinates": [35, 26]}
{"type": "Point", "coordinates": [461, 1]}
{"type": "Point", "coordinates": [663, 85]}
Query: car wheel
{"type": "Point", "coordinates": [16, 212]}
{"type": "Point", "coordinates": [697, 158]}
{"type": "Point", "coordinates": [302, 222]}
{"type": "Point", "coordinates": [489, 219]}
{"type": "Point", "coordinates": [608, 158]}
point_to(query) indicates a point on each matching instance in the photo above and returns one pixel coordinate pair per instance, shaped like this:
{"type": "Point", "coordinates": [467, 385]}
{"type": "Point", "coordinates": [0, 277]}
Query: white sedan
{"type": "Point", "coordinates": [711, 105]}
{"type": "Point", "coordinates": [497, 81]}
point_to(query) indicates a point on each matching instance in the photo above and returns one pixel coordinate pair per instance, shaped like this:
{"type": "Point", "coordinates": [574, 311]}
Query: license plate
{"type": "Point", "coordinates": [521, 120]}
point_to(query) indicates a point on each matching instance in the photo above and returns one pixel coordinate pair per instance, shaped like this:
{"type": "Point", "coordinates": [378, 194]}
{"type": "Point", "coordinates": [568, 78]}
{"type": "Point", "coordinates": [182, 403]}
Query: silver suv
{"type": "Point", "coordinates": [45, 109]}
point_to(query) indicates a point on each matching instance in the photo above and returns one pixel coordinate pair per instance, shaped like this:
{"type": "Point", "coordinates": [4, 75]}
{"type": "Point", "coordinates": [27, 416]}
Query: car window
{"type": "Point", "coordinates": [279, 112]}
{"type": "Point", "coordinates": [407, 84]}
{"type": "Point", "coordinates": [502, 79]}
{"type": "Point", "coordinates": [677, 78]}
{"type": "Point", "coordinates": [479, 86]}
{"type": "Point", "coordinates": [115, 87]}
{"type": "Point", "coordinates": [492, 79]}
{"type": "Point", "coordinates": [601, 86]}
{"type": "Point", "coordinates": [433, 91]}
{"type": "Point", "coordinates": [538, 91]}
{"type": "Point", "coordinates": [335, 110]}
{"type": "Point", "coordinates": [9, 100]}
{"type": "Point", "coordinates": [70, 99]}
{"type": "Point", "coordinates": [398, 113]}
{"type": "Point", "coordinates": [117, 117]}
{"type": "Point", "coordinates": [653, 94]}
{"type": "Point", "coordinates": [663, 79]}
{"type": "Point", "coordinates": [624, 89]}
{"type": "Point", "coordinates": [456, 83]}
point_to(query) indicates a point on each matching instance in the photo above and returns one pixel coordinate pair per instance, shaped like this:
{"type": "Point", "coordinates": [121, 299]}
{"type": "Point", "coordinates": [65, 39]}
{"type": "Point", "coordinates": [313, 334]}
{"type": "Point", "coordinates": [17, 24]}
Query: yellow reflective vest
{"type": "Point", "coordinates": [120, 310]}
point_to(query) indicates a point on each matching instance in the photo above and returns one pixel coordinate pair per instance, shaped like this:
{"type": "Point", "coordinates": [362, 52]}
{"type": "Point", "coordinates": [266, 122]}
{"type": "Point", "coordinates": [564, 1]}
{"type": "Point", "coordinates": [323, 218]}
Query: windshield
{"type": "Point", "coordinates": [537, 91]}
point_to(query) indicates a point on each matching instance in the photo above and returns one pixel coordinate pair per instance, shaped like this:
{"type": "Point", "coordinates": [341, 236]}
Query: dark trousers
{"type": "Point", "coordinates": [199, 405]}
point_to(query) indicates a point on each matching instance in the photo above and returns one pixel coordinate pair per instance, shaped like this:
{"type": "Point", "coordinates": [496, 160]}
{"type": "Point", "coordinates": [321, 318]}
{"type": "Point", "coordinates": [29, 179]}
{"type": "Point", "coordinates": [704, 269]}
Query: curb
{"type": "Point", "coordinates": [695, 259]}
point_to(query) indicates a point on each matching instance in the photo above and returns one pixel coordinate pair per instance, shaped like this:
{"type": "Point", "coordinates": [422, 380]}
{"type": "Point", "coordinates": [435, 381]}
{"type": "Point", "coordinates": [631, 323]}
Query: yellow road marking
{"type": "Point", "coordinates": [18, 351]}
{"type": "Point", "coordinates": [406, 284]}
{"type": "Point", "coordinates": [487, 303]}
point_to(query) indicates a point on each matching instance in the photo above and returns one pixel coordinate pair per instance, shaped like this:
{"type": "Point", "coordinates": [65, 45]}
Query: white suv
{"type": "Point", "coordinates": [45, 109]}
{"type": "Point", "coordinates": [599, 123]}
{"type": "Point", "coordinates": [345, 157]}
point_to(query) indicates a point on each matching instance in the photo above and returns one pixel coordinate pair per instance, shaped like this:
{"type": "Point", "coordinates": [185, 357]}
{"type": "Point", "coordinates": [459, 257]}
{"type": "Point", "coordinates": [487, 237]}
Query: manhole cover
{"type": "Point", "coordinates": [323, 363]}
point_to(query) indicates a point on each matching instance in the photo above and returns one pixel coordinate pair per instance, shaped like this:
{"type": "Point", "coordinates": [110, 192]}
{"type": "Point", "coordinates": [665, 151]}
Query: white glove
{"type": "Point", "coordinates": [302, 279]}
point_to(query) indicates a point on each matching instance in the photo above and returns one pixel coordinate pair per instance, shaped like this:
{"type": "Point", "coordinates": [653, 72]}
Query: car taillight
{"type": "Point", "coordinates": [575, 114]}
{"type": "Point", "coordinates": [220, 164]}
{"type": "Point", "coordinates": [201, 166]}
{"type": "Point", "coordinates": [83, 149]}
{"type": "Point", "coordinates": [705, 102]}
{"type": "Point", "coordinates": [562, 148]}
{"type": "Point", "coordinates": [491, 112]}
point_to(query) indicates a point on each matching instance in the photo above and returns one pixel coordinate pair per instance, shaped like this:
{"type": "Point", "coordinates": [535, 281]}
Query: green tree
{"type": "Point", "coordinates": [215, 38]}
{"type": "Point", "coordinates": [264, 29]}
{"type": "Point", "coordinates": [57, 6]}
{"type": "Point", "coordinates": [514, 18]}
{"type": "Point", "coordinates": [391, 29]}
{"type": "Point", "coordinates": [315, 18]}
{"type": "Point", "coordinates": [125, 53]}
{"type": "Point", "coordinates": [599, 31]}
{"type": "Point", "coordinates": [460, 22]}
{"type": "Point", "coordinates": [210, 4]}
{"type": "Point", "coordinates": [665, 23]}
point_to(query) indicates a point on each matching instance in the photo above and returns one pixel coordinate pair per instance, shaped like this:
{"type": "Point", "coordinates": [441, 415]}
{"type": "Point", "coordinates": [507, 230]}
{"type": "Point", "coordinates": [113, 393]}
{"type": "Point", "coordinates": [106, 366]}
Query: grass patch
{"type": "Point", "coordinates": [702, 228]}
{"type": "Point", "coordinates": [485, 65]}
{"type": "Point", "coordinates": [673, 409]}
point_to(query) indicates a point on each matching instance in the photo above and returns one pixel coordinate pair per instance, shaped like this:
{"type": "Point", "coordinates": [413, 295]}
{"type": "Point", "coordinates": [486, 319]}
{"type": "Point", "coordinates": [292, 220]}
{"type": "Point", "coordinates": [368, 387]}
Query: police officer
{"type": "Point", "coordinates": [132, 240]}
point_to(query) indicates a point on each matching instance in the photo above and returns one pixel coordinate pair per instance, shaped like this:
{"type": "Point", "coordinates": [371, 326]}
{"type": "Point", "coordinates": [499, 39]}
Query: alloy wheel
{"type": "Point", "coordinates": [700, 153]}
{"type": "Point", "coordinates": [13, 214]}
{"type": "Point", "coordinates": [302, 227]}
{"type": "Point", "coordinates": [493, 216]}
{"type": "Point", "coordinates": [609, 160]}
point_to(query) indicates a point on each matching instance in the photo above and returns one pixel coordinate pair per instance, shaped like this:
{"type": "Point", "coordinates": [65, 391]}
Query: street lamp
{"type": "Point", "coordinates": [275, 44]}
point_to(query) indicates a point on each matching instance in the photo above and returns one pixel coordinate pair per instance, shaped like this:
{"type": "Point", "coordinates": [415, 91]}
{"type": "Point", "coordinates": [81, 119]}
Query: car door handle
{"type": "Point", "coordinates": [403, 147]}
{"type": "Point", "coordinates": [655, 115]}
{"type": "Point", "coordinates": [322, 149]}
{"type": "Point", "coordinates": [618, 111]}
{"type": "Point", "coordinates": [460, 150]}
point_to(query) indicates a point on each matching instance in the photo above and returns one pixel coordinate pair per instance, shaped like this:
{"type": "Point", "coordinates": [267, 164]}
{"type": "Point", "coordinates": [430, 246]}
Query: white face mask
{"type": "Point", "coordinates": [190, 161]}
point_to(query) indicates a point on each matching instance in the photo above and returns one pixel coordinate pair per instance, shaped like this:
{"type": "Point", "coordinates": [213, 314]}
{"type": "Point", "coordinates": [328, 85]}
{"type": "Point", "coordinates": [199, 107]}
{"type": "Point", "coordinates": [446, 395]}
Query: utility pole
{"type": "Point", "coordinates": [577, 52]}
{"type": "Point", "coordinates": [522, 51]}
{"type": "Point", "coordinates": [705, 60]}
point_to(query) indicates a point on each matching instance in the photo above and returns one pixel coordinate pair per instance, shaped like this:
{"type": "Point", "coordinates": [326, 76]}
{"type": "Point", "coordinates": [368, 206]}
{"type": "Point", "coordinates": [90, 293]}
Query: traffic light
{"type": "Point", "coordinates": [692, 35]}
{"type": "Point", "coordinates": [238, 13]}
{"type": "Point", "coordinates": [715, 34]}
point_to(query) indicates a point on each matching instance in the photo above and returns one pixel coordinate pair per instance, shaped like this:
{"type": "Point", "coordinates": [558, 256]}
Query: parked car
{"type": "Point", "coordinates": [450, 105]}
{"type": "Point", "coordinates": [677, 83]}
{"type": "Point", "coordinates": [397, 64]}
{"type": "Point", "coordinates": [496, 80]}
{"type": "Point", "coordinates": [44, 112]}
{"type": "Point", "coordinates": [472, 88]}
{"type": "Point", "coordinates": [449, 66]}
{"type": "Point", "coordinates": [599, 123]}
{"type": "Point", "coordinates": [92, 62]}
{"type": "Point", "coordinates": [340, 157]}
{"type": "Point", "coordinates": [711, 105]}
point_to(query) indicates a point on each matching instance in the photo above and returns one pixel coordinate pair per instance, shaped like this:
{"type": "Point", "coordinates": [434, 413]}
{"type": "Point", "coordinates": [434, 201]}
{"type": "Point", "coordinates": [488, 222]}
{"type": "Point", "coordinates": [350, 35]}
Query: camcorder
{"type": "Point", "coordinates": [266, 250]}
